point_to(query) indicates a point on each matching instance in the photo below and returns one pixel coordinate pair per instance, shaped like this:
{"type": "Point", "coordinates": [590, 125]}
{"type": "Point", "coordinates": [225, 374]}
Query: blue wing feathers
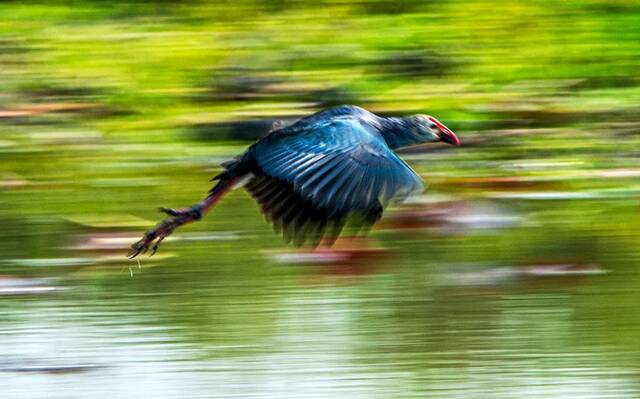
{"type": "Point", "coordinates": [294, 167]}
{"type": "Point", "coordinates": [345, 189]}
{"type": "Point", "coordinates": [338, 184]}
{"type": "Point", "coordinates": [314, 172]}
{"type": "Point", "coordinates": [335, 161]}
{"type": "Point", "coordinates": [326, 180]}
{"type": "Point", "coordinates": [358, 199]}
{"type": "Point", "coordinates": [303, 166]}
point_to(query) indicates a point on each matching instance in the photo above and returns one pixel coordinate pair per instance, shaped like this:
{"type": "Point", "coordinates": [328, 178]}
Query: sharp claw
{"type": "Point", "coordinates": [133, 253]}
{"type": "Point", "coordinates": [140, 246]}
{"type": "Point", "coordinates": [164, 229]}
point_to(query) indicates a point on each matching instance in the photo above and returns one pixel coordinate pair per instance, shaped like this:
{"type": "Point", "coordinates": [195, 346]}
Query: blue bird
{"type": "Point", "coordinates": [313, 176]}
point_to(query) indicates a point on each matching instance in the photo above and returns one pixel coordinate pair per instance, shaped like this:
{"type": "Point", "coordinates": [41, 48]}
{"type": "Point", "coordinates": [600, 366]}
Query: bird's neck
{"type": "Point", "coordinates": [399, 132]}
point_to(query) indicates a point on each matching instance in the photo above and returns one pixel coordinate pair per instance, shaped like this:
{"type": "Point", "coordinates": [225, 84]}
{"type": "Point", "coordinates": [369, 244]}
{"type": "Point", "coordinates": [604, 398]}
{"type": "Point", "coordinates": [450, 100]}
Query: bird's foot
{"type": "Point", "coordinates": [154, 237]}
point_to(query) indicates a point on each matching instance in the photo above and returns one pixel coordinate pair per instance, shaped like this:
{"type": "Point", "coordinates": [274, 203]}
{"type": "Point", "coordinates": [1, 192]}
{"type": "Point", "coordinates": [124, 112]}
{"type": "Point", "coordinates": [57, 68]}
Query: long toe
{"type": "Point", "coordinates": [155, 247]}
{"type": "Point", "coordinates": [170, 211]}
{"type": "Point", "coordinates": [136, 249]}
{"type": "Point", "coordinates": [141, 246]}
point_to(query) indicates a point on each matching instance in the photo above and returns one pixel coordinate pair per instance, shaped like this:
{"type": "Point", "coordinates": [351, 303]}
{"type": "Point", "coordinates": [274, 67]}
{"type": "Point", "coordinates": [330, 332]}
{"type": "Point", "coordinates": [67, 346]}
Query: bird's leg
{"type": "Point", "coordinates": [155, 236]}
{"type": "Point", "coordinates": [177, 218]}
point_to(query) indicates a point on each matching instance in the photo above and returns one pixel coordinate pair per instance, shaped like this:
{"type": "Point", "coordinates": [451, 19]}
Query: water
{"type": "Point", "coordinates": [487, 287]}
{"type": "Point", "coordinates": [219, 321]}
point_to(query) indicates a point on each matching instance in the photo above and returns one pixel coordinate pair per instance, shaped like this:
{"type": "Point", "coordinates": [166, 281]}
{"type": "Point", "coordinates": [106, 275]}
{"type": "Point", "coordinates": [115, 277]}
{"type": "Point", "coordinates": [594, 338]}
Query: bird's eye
{"type": "Point", "coordinates": [433, 126]}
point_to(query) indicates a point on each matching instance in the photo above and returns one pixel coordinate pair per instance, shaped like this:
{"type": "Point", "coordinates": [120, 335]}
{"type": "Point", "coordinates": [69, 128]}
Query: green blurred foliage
{"type": "Point", "coordinates": [109, 110]}
{"type": "Point", "coordinates": [105, 108]}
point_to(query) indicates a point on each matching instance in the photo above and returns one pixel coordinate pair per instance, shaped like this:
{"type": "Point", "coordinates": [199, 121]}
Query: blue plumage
{"type": "Point", "coordinates": [313, 176]}
{"type": "Point", "coordinates": [339, 162]}
{"type": "Point", "coordinates": [334, 165]}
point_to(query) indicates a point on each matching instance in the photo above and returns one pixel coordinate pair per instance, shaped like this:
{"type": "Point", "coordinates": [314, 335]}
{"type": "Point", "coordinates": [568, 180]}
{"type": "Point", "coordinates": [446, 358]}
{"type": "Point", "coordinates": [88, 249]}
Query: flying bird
{"type": "Point", "coordinates": [314, 176]}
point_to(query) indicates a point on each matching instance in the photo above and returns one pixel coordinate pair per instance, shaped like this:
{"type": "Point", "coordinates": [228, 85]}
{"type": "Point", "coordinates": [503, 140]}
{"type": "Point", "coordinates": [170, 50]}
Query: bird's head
{"type": "Point", "coordinates": [431, 129]}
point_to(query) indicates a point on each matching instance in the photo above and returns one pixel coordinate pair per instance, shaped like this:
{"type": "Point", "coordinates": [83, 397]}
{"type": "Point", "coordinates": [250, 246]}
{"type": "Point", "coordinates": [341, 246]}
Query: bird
{"type": "Point", "coordinates": [310, 178]}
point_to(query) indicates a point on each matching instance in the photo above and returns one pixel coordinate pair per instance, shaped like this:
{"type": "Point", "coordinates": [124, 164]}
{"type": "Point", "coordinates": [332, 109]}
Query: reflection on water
{"type": "Point", "coordinates": [487, 286]}
{"type": "Point", "coordinates": [418, 325]}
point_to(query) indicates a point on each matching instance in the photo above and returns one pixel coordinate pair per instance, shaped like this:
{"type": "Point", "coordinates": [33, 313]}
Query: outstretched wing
{"type": "Point", "coordinates": [327, 171]}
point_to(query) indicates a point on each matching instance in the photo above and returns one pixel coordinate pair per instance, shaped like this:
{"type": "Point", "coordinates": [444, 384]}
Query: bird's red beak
{"type": "Point", "coordinates": [446, 135]}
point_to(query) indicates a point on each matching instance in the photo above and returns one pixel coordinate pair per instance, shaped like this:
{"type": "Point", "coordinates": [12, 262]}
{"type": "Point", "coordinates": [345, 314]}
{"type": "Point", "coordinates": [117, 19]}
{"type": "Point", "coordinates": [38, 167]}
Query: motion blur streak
{"type": "Point", "coordinates": [514, 275]}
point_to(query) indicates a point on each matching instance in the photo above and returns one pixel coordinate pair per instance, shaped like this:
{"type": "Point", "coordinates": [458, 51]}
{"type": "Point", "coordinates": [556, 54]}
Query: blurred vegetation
{"type": "Point", "coordinates": [103, 105]}
{"type": "Point", "coordinates": [109, 110]}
